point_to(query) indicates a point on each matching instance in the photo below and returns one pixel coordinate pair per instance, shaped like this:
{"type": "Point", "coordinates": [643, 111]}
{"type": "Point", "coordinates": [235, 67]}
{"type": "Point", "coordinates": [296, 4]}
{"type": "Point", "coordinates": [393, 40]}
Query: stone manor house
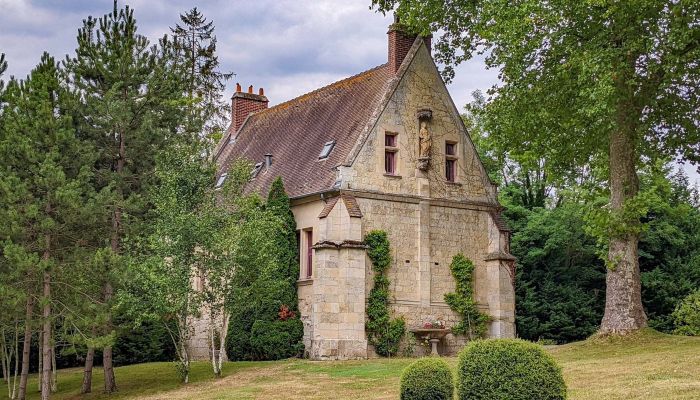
{"type": "Point", "coordinates": [385, 149]}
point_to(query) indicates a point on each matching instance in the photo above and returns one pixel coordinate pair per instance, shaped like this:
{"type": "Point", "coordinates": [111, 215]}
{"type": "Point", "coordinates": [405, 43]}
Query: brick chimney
{"type": "Point", "coordinates": [244, 104]}
{"type": "Point", "coordinates": [400, 43]}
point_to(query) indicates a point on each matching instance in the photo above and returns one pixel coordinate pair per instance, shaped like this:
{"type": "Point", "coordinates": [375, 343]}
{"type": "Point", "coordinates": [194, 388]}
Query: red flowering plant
{"type": "Point", "coordinates": [285, 313]}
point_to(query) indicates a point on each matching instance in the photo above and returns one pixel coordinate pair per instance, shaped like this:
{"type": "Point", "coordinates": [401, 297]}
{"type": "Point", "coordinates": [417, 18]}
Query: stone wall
{"type": "Point", "coordinates": [419, 281]}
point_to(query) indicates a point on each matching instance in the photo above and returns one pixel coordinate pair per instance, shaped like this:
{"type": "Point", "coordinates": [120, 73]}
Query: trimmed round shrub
{"type": "Point", "coordinates": [427, 379]}
{"type": "Point", "coordinates": [508, 369]}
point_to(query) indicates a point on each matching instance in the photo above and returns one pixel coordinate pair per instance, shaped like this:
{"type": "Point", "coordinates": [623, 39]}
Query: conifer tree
{"type": "Point", "coordinates": [45, 183]}
{"type": "Point", "coordinates": [130, 111]}
{"type": "Point", "coordinates": [195, 43]}
{"type": "Point", "coordinates": [278, 203]}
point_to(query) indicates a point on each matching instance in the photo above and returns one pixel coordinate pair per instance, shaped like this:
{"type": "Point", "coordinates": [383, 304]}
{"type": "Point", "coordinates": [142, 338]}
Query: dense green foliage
{"type": "Point", "coordinates": [268, 270]}
{"type": "Point", "coordinates": [588, 89]}
{"type": "Point", "coordinates": [427, 379]}
{"type": "Point", "coordinates": [147, 342]}
{"type": "Point", "coordinates": [687, 315]}
{"type": "Point", "coordinates": [473, 323]}
{"type": "Point", "coordinates": [560, 281]}
{"type": "Point", "coordinates": [288, 248]}
{"type": "Point", "coordinates": [383, 332]}
{"type": "Point", "coordinates": [275, 340]}
{"type": "Point", "coordinates": [508, 369]}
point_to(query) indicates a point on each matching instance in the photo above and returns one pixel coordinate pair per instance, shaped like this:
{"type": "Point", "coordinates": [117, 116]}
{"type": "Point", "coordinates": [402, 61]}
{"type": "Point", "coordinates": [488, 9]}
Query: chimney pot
{"type": "Point", "coordinates": [261, 92]}
{"type": "Point", "coordinates": [244, 104]}
{"type": "Point", "coordinates": [268, 160]}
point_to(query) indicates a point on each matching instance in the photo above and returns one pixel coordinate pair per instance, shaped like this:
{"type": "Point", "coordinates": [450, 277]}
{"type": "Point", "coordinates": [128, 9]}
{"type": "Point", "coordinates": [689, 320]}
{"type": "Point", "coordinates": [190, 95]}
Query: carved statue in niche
{"type": "Point", "coordinates": [425, 141]}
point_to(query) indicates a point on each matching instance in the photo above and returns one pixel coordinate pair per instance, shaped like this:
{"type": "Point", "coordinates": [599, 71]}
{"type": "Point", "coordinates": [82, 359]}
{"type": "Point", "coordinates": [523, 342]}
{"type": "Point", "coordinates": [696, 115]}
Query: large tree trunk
{"type": "Point", "coordinates": [107, 365]}
{"type": "Point", "coordinates": [46, 340]}
{"type": "Point", "coordinates": [87, 373]}
{"type": "Point", "coordinates": [26, 345]}
{"type": "Point", "coordinates": [623, 296]}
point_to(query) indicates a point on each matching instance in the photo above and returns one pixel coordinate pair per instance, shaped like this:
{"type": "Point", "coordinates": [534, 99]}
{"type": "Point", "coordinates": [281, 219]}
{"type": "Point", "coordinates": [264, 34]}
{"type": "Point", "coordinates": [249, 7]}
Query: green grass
{"type": "Point", "coordinates": [648, 365]}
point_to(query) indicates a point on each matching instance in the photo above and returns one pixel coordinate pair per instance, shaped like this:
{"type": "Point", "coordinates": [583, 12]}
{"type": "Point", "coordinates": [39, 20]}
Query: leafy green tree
{"type": "Point", "coordinates": [131, 109]}
{"type": "Point", "coordinates": [195, 44]}
{"type": "Point", "coordinates": [175, 254]}
{"type": "Point", "coordinates": [46, 184]}
{"type": "Point", "coordinates": [608, 84]}
{"type": "Point", "coordinates": [266, 280]}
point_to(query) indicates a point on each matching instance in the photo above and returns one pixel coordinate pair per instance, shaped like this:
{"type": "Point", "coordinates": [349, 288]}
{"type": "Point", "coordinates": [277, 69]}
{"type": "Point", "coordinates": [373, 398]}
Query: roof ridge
{"type": "Point", "coordinates": [289, 102]}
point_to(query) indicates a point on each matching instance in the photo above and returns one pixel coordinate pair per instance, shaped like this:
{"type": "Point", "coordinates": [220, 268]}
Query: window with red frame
{"type": "Point", "coordinates": [309, 253]}
{"type": "Point", "coordinates": [390, 153]}
{"type": "Point", "coordinates": [450, 161]}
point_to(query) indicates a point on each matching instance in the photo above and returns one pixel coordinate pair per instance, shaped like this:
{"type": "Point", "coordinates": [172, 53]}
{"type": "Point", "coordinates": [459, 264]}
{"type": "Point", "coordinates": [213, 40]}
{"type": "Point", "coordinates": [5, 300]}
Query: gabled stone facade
{"type": "Point", "coordinates": [430, 210]}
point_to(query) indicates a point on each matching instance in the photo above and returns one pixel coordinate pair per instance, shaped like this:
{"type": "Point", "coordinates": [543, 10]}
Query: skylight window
{"type": "Point", "coordinates": [326, 151]}
{"type": "Point", "coordinates": [220, 181]}
{"type": "Point", "coordinates": [256, 170]}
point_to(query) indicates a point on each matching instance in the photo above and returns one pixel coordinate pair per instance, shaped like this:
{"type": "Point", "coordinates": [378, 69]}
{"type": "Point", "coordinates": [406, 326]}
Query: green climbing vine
{"type": "Point", "coordinates": [383, 332]}
{"type": "Point", "coordinates": [473, 323]}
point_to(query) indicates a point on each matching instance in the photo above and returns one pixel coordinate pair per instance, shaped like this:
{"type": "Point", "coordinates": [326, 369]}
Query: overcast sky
{"type": "Point", "coordinates": [289, 47]}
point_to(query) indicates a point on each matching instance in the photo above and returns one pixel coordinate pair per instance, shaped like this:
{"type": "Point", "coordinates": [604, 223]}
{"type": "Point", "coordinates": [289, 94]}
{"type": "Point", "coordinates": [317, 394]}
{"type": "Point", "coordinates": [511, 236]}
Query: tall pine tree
{"type": "Point", "coordinates": [47, 173]}
{"type": "Point", "coordinates": [130, 110]}
{"type": "Point", "coordinates": [204, 81]}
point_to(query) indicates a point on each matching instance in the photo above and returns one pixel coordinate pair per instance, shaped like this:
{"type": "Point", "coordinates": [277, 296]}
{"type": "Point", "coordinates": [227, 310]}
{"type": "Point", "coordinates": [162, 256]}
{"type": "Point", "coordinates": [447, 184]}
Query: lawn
{"type": "Point", "coordinates": [648, 365]}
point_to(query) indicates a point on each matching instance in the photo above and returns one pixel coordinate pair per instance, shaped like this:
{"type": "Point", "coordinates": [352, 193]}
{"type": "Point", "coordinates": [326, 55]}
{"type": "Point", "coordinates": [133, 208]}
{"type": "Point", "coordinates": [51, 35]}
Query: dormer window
{"type": "Point", "coordinates": [220, 181]}
{"type": "Point", "coordinates": [256, 170]}
{"type": "Point", "coordinates": [326, 151]}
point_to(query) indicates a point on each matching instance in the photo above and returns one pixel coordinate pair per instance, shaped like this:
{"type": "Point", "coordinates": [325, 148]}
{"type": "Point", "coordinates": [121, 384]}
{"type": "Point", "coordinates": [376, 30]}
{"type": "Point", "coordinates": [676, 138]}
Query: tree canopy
{"type": "Point", "coordinates": [597, 84]}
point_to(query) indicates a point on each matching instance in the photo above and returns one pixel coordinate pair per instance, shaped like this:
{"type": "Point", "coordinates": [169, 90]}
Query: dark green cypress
{"type": "Point", "coordinates": [278, 203]}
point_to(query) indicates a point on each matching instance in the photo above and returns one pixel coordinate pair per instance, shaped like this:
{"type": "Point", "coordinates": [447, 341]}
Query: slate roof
{"type": "Point", "coordinates": [295, 132]}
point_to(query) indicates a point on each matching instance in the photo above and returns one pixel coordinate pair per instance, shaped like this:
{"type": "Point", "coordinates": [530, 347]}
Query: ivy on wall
{"type": "Point", "coordinates": [383, 332]}
{"type": "Point", "coordinates": [473, 323]}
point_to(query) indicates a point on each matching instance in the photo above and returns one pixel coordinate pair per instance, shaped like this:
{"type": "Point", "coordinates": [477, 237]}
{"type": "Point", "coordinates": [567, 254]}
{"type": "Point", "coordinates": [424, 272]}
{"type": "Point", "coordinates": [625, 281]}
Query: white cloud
{"type": "Point", "coordinates": [289, 47]}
